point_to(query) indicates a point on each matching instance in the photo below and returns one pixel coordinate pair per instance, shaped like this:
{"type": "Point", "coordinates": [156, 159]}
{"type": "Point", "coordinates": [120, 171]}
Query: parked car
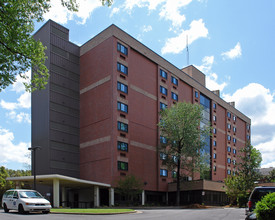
{"type": "Point", "coordinates": [256, 195]}
{"type": "Point", "coordinates": [24, 201]}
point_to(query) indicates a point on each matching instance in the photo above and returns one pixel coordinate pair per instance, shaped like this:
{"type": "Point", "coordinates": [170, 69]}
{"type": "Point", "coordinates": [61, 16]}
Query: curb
{"type": "Point", "coordinates": [81, 213]}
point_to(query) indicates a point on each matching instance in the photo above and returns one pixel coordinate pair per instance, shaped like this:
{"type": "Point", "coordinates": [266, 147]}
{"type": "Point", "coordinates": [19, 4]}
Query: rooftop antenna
{"type": "Point", "coordinates": [187, 51]}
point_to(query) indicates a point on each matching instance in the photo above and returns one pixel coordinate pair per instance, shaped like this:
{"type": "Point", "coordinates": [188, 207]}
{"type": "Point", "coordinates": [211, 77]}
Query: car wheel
{"type": "Point", "coordinates": [45, 212]}
{"type": "Point", "coordinates": [5, 208]}
{"type": "Point", "coordinates": [21, 209]}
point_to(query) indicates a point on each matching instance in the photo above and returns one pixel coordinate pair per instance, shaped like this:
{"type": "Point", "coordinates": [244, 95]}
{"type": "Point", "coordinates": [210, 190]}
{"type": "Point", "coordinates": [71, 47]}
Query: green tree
{"type": "Point", "coordinates": [4, 184]}
{"type": "Point", "coordinates": [251, 159]}
{"type": "Point", "coordinates": [265, 209]}
{"type": "Point", "coordinates": [181, 150]}
{"type": "Point", "coordinates": [271, 176]}
{"type": "Point", "coordinates": [18, 50]}
{"type": "Point", "coordinates": [129, 187]}
{"type": "Point", "coordinates": [239, 187]}
{"type": "Point", "coordinates": [4, 173]}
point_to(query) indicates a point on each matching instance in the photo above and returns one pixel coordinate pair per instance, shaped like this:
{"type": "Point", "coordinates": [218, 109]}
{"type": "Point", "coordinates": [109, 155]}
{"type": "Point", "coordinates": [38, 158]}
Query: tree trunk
{"type": "Point", "coordinates": [178, 183]}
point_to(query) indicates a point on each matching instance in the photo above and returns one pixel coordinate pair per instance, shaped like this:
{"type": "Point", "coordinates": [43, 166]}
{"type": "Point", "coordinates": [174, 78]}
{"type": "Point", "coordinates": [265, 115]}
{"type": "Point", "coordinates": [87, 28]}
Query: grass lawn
{"type": "Point", "coordinates": [92, 211]}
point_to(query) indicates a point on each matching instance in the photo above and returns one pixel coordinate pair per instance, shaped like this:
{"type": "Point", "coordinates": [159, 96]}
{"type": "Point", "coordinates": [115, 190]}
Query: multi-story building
{"type": "Point", "coordinates": [97, 119]}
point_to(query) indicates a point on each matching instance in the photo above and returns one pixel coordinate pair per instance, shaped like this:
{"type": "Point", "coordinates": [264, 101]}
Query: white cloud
{"type": "Point", "coordinates": [114, 11]}
{"type": "Point", "coordinates": [207, 63]}
{"type": "Point", "coordinates": [21, 117]}
{"type": "Point", "coordinates": [61, 15]}
{"type": "Point", "coordinates": [11, 152]}
{"type": "Point", "coordinates": [18, 86]}
{"type": "Point", "coordinates": [211, 77]}
{"type": "Point", "coordinates": [151, 4]}
{"type": "Point", "coordinates": [236, 52]}
{"type": "Point", "coordinates": [24, 101]}
{"type": "Point", "coordinates": [257, 102]}
{"type": "Point", "coordinates": [178, 44]}
{"type": "Point", "coordinates": [169, 9]}
{"type": "Point", "coordinates": [147, 28]}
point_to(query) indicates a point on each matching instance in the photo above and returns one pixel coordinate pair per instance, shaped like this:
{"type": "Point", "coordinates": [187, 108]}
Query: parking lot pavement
{"type": "Point", "coordinates": [155, 214]}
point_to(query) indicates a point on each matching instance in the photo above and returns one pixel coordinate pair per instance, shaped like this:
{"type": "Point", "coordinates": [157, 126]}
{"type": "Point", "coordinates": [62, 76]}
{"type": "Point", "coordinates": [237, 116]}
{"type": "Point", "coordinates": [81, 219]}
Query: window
{"type": "Point", "coordinates": [234, 151]}
{"type": "Point", "coordinates": [163, 172]}
{"type": "Point", "coordinates": [234, 162]}
{"type": "Point", "coordinates": [163, 90]}
{"type": "Point", "coordinates": [214, 105]}
{"type": "Point", "coordinates": [174, 174]}
{"type": "Point", "coordinates": [214, 131]}
{"type": "Point", "coordinates": [122, 49]}
{"type": "Point", "coordinates": [162, 106]}
{"type": "Point", "coordinates": [122, 126]}
{"type": "Point", "coordinates": [228, 160]}
{"type": "Point", "coordinates": [215, 168]}
{"type": "Point", "coordinates": [228, 114]}
{"type": "Point", "coordinates": [229, 126]}
{"type": "Point", "coordinates": [121, 87]}
{"type": "Point", "coordinates": [215, 143]}
{"type": "Point", "coordinates": [234, 129]}
{"type": "Point", "coordinates": [248, 127]}
{"type": "Point", "coordinates": [247, 137]}
{"type": "Point", "coordinates": [163, 140]}
{"type": "Point", "coordinates": [174, 80]}
{"type": "Point", "coordinates": [214, 118]}
{"type": "Point", "coordinates": [122, 146]}
{"type": "Point", "coordinates": [234, 140]}
{"type": "Point", "coordinates": [215, 156]}
{"type": "Point", "coordinates": [122, 107]}
{"type": "Point", "coordinates": [122, 165]}
{"type": "Point", "coordinates": [228, 137]}
{"type": "Point", "coordinates": [234, 118]}
{"type": "Point", "coordinates": [122, 68]}
{"type": "Point", "coordinates": [175, 159]}
{"type": "Point", "coordinates": [163, 156]}
{"type": "Point", "coordinates": [174, 96]}
{"type": "Point", "coordinates": [196, 94]}
{"type": "Point", "coordinates": [163, 74]}
{"type": "Point", "coordinates": [228, 149]}
{"type": "Point", "coordinates": [229, 172]}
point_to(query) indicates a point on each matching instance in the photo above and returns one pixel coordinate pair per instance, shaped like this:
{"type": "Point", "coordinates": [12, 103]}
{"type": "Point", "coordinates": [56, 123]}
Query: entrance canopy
{"type": "Point", "coordinates": [57, 181]}
{"type": "Point", "coordinates": [65, 181]}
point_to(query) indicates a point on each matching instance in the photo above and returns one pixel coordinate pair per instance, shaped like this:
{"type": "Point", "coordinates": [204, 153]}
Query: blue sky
{"type": "Point", "coordinates": [232, 42]}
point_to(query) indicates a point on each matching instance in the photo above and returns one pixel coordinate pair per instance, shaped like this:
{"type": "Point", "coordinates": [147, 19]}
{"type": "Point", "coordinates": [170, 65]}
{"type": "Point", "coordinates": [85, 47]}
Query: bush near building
{"type": "Point", "coordinates": [265, 209]}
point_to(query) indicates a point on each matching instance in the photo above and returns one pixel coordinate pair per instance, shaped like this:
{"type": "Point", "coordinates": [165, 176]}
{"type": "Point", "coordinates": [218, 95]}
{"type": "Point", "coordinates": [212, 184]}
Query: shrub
{"type": "Point", "coordinates": [265, 209]}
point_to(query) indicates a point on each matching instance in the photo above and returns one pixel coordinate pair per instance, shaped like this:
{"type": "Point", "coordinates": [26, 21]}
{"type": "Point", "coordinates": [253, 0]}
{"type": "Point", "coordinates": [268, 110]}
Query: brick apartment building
{"type": "Point", "coordinates": [97, 118]}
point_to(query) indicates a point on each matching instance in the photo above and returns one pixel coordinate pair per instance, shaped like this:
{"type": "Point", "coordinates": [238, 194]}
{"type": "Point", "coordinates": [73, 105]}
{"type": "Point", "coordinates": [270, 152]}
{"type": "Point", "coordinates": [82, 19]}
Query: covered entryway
{"type": "Point", "coordinates": [69, 191]}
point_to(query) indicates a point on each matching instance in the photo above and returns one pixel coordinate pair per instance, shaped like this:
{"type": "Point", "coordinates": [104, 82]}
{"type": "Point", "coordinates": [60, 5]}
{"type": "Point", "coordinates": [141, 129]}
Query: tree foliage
{"type": "Point", "coordinates": [4, 173]}
{"type": "Point", "coordinates": [18, 50]}
{"type": "Point", "coordinates": [250, 160]}
{"type": "Point", "coordinates": [129, 187]}
{"type": "Point", "coordinates": [265, 209]}
{"type": "Point", "coordinates": [239, 187]}
{"type": "Point", "coordinates": [271, 176]}
{"type": "Point", "coordinates": [183, 139]}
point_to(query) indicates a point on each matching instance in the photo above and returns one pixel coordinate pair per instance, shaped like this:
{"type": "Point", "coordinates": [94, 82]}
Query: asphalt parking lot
{"type": "Point", "coordinates": [159, 214]}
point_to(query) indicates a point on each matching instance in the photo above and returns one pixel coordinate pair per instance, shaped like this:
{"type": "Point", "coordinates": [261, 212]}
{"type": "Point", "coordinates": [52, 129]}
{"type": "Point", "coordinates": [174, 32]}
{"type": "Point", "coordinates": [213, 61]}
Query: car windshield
{"type": "Point", "coordinates": [30, 194]}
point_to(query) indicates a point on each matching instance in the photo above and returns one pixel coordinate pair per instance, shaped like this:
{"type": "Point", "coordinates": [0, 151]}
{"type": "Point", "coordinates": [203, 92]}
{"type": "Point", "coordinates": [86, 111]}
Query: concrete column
{"type": "Point", "coordinates": [63, 192]}
{"type": "Point", "coordinates": [143, 197]}
{"type": "Point", "coordinates": [17, 185]}
{"type": "Point", "coordinates": [96, 196]}
{"type": "Point", "coordinates": [56, 202]}
{"type": "Point", "coordinates": [111, 197]}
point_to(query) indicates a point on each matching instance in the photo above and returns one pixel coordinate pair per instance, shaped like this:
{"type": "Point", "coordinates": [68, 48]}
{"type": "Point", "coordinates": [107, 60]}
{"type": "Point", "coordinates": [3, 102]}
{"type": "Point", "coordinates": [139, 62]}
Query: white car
{"type": "Point", "coordinates": [24, 201]}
